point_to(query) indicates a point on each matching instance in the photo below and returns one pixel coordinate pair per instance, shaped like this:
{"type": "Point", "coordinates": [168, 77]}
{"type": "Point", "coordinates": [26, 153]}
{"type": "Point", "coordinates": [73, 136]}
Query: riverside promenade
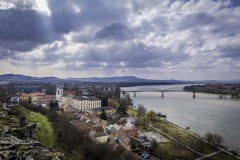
{"type": "Point", "coordinates": [177, 140]}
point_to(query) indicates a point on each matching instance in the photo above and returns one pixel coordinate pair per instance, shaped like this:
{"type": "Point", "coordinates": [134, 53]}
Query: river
{"type": "Point", "coordinates": [205, 113]}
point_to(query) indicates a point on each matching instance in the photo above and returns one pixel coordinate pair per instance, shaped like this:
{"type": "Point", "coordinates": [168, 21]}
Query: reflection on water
{"type": "Point", "coordinates": [205, 113]}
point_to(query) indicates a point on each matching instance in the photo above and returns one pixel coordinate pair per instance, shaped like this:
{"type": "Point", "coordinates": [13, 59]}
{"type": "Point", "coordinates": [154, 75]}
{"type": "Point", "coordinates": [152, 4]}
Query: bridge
{"type": "Point", "coordinates": [221, 93]}
{"type": "Point", "coordinates": [135, 90]}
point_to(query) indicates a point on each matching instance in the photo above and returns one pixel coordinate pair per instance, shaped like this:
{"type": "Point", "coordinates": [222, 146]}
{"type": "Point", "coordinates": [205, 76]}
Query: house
{"type": "Point", "coordinates": [128, 142]}
{"type": "Point", "coordinates": [115, 128]}
{"type": "Point", "coordinates": [37, 98]}
{"type": "Point", "coordinates": [102, 139]}
{"type": "Point", "coordinates": [114, 115]}
{"type": "Point", "coordinates": [130, 122]}
{"type": "Point", "coordinates": [104, 123]}
{"type": "Point", "coordinates": [130, 131]}
{"type": "Point", "coordinates": [129, 127]}
{"type": "Point", "coordinates": [84, 124]}
{"type": "Point", "coordinates": [96, 120]}
{"type": "Point", "coordinates": [68, 108]}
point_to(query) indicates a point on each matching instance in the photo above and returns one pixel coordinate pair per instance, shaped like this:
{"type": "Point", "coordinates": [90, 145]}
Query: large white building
{"type": "Point", "coordinates": [80, 102]}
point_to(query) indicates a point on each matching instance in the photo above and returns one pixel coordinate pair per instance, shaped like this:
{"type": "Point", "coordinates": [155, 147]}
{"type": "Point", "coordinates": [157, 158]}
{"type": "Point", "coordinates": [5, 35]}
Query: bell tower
{"type": "Point", "coordinates": [59, 94]}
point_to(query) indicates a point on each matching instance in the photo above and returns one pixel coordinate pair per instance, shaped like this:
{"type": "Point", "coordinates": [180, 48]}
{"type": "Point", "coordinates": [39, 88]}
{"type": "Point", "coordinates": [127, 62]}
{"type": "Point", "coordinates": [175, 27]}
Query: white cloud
{"type": "Point", "coordinates": [157, 39]}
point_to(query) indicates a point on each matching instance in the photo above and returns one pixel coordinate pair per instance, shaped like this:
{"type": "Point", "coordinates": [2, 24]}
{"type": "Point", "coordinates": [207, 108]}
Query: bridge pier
{"type": "Point", "coordinates": [162, 94]}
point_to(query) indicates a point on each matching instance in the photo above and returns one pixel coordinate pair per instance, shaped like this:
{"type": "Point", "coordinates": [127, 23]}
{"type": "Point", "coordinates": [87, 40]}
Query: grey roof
{"type": "Point", "coordinates": [81, 98]}
{"type": "Point", "coordinates": [70, 96]}
{"type": "Point", "coordinates": [131, 119]}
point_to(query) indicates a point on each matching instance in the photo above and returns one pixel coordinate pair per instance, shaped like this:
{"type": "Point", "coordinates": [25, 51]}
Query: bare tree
{"type": "Point", "coordinates": [209, 137]}
{"type": "Point", "coordinates": [141, 109]}
{"type": "Point", "coordinates": [218, 139]}
{"type": "Point", "coordinates": [197, 144]}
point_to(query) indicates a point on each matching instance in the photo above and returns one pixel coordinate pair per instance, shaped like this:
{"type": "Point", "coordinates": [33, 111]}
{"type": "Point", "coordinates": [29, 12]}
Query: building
{"type": "Point", "coordinates": [128, 142]}
{"type": "Point", "coordinates": [81, 102]}
{"type": "Point", "coordinates": [37, 98]}
{"type": "Point", "coordinates": [59, 94]}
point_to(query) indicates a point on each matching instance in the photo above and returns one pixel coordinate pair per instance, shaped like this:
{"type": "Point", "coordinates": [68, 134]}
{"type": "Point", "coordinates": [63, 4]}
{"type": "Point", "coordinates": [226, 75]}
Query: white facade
{"type": "Point", "coordinates": [81, 103]}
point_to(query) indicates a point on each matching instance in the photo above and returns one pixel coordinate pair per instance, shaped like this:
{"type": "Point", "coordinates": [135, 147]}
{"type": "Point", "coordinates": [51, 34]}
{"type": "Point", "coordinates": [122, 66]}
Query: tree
{"type": "Point", "coordinates": [154, 146]}
{"type": "Point", "coordinates": [141, 109]}
{"type": "Point", "coordinates": [29, 100]}
{"type": "Point", "coordinates": [113, 103]}
{"type": "Point", "coordinates": [51, 104]}
{"type": "Point", "coordinates": [145, 123]}
{"type": "Point", "coordinates": [178, 147]}
{"type": "Point", "coordinates": [197, 144]}
{"type": "Point", "coordinates": [209, 137]}
{"type": "Point", "coordinates": [218, 139]}
{"type": "Point", "coordinates": [103, 115]}
{"type": "Point", "coordinates": [151, 115]}
{"type": "Point", "coordinates": [124, 103]}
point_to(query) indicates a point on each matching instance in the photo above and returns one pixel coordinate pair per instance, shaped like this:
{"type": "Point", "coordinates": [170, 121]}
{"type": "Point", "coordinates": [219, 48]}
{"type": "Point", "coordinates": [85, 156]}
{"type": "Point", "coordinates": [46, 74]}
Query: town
{"type": "Point", "coordinates": [106, 116]}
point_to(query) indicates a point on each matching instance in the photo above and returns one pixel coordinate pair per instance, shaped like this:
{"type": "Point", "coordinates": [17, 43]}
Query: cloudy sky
{"type": "Point", "coordinates": [153, 39]}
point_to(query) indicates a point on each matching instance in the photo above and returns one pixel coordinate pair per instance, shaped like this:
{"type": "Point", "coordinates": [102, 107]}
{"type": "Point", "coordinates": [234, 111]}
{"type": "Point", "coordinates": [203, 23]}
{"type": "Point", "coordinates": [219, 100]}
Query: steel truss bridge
{"type": "Point", "coordinates": [221, 93]}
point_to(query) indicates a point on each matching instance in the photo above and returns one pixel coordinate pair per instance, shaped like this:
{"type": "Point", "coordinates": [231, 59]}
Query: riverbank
{"type": "Point", "coordinates": [205, 113]}
{"type": "Point", "coordinates": [192, 146]}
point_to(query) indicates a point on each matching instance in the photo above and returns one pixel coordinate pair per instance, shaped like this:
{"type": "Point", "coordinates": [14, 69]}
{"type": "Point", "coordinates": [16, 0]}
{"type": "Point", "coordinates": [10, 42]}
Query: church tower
{"type": "Point", "coordinates": [59, 94]}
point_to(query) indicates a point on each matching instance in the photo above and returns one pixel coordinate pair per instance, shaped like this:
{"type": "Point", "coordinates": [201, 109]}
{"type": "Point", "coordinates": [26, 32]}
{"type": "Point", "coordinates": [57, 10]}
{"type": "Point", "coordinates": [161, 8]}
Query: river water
{"type": "Point", "coordinates": [205, 113]}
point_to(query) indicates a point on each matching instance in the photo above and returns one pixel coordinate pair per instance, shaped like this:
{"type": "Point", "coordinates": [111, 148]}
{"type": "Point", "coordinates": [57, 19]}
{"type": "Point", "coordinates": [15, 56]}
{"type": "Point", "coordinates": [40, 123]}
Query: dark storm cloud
{"type": "Point", "coordinates": [115, 31]}
{"type": "Point", "coordinates": [230, 51]}
{"type": "Point", "coordinates": [21, 25]}
{"type": "Point", "coordinates": [63, 17]}
{"type": "Point", "coordinates": [21, 46]}
{"type": "Point", "coordinates": [195, 20]}
{"type": "Point", "coordinates": [120, 56]}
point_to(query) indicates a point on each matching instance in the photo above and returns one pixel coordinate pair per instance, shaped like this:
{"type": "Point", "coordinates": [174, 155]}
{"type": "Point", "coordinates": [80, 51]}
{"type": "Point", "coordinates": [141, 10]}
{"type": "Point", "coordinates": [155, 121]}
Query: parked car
{"type": "Point", "coordinates": [143, 155]}
{"type": "Point", "coordinates": [116, 141]}
{"type": "Point", "coordinates": [140, 153]}
{"type": "Point", "coordinates": [146, 157]}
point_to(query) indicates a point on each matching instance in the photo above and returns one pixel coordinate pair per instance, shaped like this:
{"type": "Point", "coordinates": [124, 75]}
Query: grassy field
{"type": "Point", "coordinates": [45, 131]}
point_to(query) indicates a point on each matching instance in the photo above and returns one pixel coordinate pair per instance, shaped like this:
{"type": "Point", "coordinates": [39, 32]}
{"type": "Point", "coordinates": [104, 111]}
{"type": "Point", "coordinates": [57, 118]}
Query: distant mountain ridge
{"type": "Point", "coordinates": [119, 79]}
{"type": "Point", "coordinates": [24, 78]}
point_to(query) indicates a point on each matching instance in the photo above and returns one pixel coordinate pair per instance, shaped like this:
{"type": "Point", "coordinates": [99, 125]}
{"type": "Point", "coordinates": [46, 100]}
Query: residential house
{"type": "Point", "coordinates": [115, 128]}
{"type": "Point", "coordinates": [114, 115]}
{"type": "Point", "coordinates": [37, 98]}
{"type": "Point", "coordinates": [128, 142]}
{"type": "Point", "coordinates": [68, 108]}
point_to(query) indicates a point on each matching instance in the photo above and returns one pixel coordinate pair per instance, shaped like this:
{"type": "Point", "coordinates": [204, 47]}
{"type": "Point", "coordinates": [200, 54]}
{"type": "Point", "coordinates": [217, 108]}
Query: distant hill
{"type": "Point", "coordinates": [123, 79]}
{"type": "Point", "coordinates": [109, 79]}
{"type": "Point", "coordinates": [120, 79]}
{"type": "Point", "coordinates": [24, 78]}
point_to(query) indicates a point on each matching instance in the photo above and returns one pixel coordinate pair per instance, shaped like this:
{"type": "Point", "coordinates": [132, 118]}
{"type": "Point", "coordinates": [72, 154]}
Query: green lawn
{"type": "Point", "coordinates": [169, 150]}
{"type": "Point", "coordinates": [45, 131]}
